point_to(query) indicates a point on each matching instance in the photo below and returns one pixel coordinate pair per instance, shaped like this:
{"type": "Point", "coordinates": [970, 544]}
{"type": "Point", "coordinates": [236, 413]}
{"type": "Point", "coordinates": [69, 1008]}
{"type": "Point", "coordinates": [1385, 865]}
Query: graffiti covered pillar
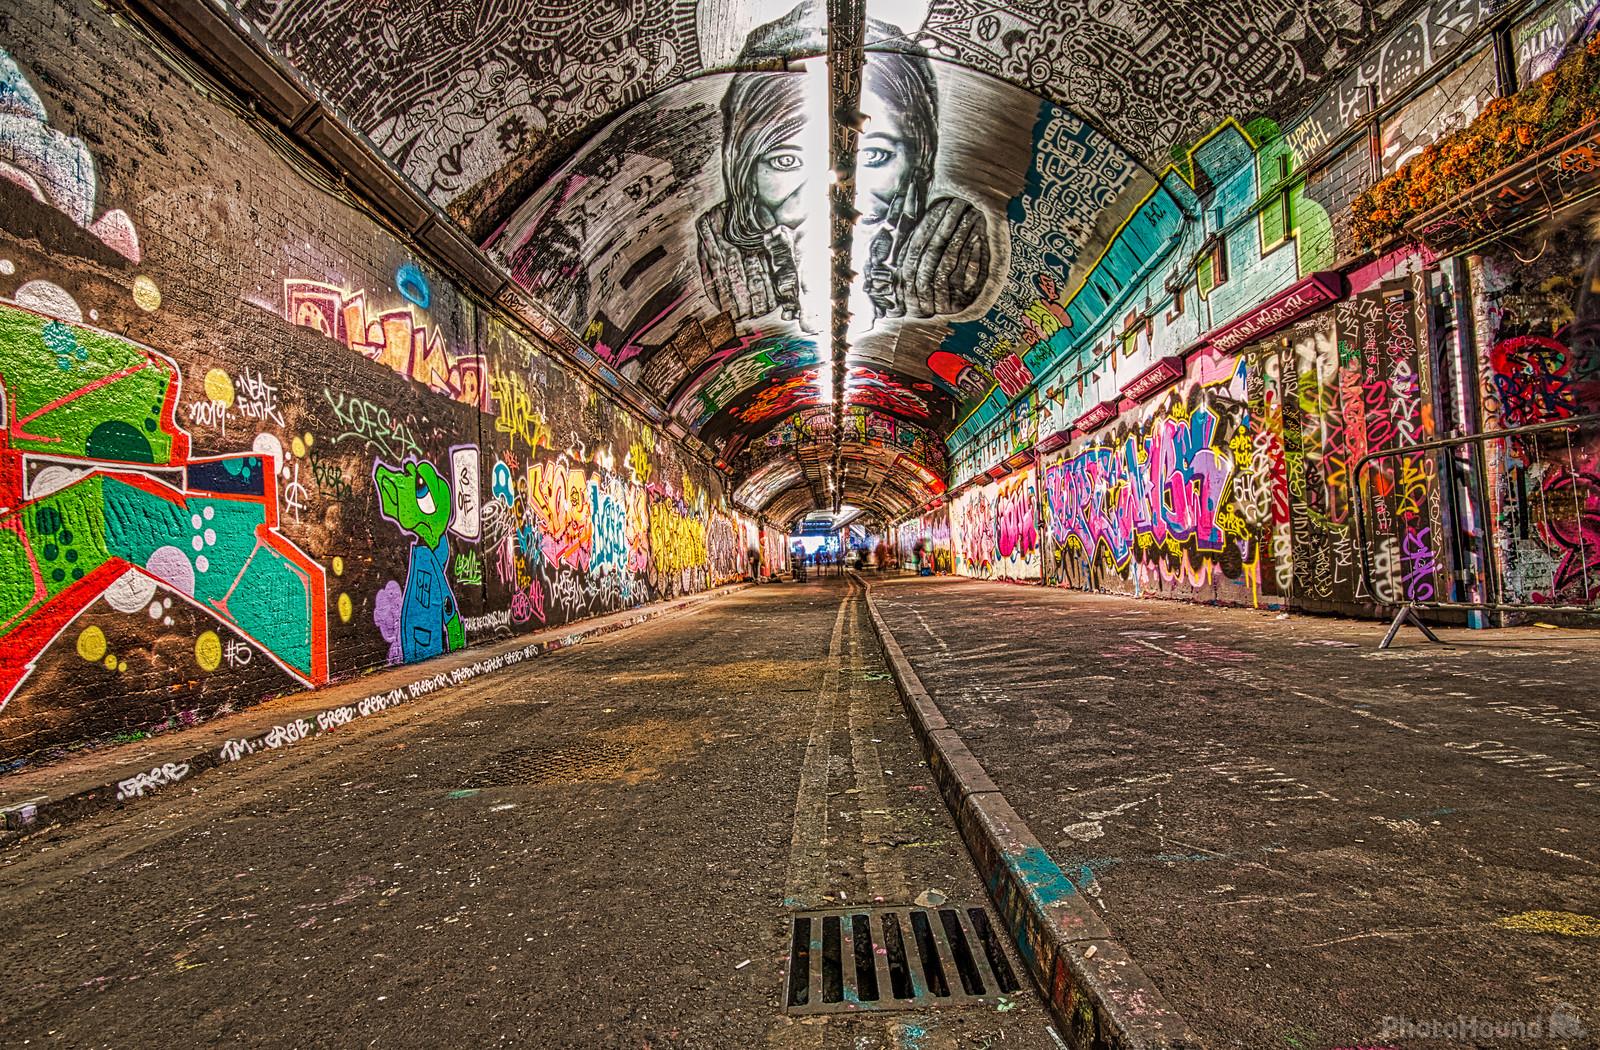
{"type": "Point", "coordinates": [1538, 328]}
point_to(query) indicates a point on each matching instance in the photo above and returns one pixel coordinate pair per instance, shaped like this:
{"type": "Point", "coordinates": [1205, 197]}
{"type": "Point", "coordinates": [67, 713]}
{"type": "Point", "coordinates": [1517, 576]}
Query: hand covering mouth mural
{"type": "Point", "coordinates": [922, 257]}
{"type": "Point", "coordinates": [691, 235]}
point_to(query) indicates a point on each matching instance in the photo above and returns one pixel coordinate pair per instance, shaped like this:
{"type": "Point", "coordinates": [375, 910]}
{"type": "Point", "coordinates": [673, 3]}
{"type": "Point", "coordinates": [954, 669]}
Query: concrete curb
{"type": "Point", "coordinates": [1100, 997]}
{"type": "Point", "coordinates": [129, 785]}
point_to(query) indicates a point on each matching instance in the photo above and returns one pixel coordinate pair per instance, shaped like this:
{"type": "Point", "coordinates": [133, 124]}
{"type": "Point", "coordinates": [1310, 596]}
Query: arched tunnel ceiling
{"type": "Point", "coordinates": [469, 96]}
{"type": "Point", "coordinates": [887, 464]}
{"type": "Point", "coordinates": [687, 241]}
{"type": "Point", "coordinates": [655, 174]}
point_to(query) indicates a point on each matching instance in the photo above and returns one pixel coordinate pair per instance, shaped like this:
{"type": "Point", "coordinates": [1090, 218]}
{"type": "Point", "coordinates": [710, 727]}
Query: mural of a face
{"type": "Point", "coordinates": [899, 137]}
{"type": "Point", "coordinates": [920, 257]}
{"type": "Point", "coordinates": [700, 229]}
{"type": "Point", "coordinates": [780, 176]}
{"type": "Point", "coordinates": [923, 257]}
{"type": "Point", "coordinates": [751, 242]}
{"type": "Point", "coordinates": [882, 168]}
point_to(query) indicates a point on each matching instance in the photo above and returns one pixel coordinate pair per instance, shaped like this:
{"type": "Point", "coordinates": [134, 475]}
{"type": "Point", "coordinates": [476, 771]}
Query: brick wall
{"type": "Point", "coordinates": [263, 444]}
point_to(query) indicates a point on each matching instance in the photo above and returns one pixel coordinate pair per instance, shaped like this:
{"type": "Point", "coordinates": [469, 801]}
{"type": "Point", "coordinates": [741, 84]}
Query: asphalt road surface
{"type": "Point", "coordinates": [597, 849]}
{"type": "Point", "coordinates": [1306, 842]}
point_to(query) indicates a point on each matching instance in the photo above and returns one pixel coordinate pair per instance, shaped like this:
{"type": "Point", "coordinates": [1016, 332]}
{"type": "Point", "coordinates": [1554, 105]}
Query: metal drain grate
{"type": "Point", "coordinates": [568, 764]}
{"type": "Point", "coordinates": [893, 959]}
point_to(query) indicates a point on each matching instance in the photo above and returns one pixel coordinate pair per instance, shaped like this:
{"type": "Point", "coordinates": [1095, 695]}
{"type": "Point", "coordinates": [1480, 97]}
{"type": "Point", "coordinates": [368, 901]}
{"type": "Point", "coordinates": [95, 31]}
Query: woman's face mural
{"type": "Point", "coordinates": [899, 136]}
{"type": "Point", "coordinates": [881, 171]}
{"type": "Point", "coordinates": [781, 176]}
{"type": "Point", "coordinates": [694, 234]}
{"type": "Point", "coordinates": [917, 257]}
{"type": "Point", "coordinates": [754, 242]}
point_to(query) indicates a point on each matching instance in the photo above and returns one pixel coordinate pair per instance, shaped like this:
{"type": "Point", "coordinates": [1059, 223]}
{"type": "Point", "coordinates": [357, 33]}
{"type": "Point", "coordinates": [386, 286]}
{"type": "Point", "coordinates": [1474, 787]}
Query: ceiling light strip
{"type": "Point", "coordinates": [847, 28]}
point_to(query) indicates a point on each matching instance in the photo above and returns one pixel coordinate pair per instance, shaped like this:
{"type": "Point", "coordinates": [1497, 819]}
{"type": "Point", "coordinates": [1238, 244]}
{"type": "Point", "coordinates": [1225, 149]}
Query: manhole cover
{"type": "Point", "coordinates": [893, 959]}
{"type": "Point", "coordinates": [566, 764]}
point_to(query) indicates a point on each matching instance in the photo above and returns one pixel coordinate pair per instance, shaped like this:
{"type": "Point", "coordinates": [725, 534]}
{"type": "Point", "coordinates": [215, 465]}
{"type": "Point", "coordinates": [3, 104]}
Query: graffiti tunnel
{"type": "Point", "coordinates": [1097, 382]}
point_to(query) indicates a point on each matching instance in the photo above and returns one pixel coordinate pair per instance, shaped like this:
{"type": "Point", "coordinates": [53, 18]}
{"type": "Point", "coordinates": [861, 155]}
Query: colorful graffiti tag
{"type": "Point", "coordinates": [995, 529]}
{"type": "Point", "coordinates": [101, 497]}
{"type": "Point", "coordinates": [929, 533]}
{"type": "Point", "coordinates": [235, 512]}
{"type": "Point", "coordinates": [1236, 484]}
{"type": "Point", "coordinates": [394, 338]}
{"type": "Point", "coordinates": [1154, 502]}
{"type": "Point", "coordinates": [1544, 367]}
{"type": "Point", "coordinates": [1382, 402]}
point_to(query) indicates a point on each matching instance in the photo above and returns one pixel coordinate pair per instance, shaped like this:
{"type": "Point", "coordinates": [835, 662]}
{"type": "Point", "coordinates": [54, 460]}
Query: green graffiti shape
{"type": "Point", "coordinates": [416, 498]}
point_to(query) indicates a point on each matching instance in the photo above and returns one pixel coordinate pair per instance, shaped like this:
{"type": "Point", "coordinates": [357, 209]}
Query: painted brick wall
{"type": "Point", "coordinates": [1234, 484]}
{"type": "Point", "coordinates": [251, 443]}
{"type": "Point", "coordinates": [994, 529]}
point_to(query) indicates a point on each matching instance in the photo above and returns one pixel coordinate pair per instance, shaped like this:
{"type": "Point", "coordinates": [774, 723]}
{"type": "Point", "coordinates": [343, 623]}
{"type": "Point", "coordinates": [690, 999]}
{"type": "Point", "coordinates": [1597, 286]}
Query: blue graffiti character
{"type": "Point", "coordinates": [417, 498]}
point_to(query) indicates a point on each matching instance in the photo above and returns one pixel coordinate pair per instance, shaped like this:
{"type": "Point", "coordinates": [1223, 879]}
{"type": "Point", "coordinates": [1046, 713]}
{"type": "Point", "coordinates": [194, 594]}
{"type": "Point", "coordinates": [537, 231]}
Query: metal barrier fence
{"type": "Point", "coordinates": [1506, 521]}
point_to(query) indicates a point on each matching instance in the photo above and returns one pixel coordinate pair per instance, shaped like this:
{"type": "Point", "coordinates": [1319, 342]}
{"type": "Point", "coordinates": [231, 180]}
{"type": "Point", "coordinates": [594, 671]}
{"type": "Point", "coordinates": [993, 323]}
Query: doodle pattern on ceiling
{"type": "Point", "coordinates": [459, 91]}
{"type": "Point", "coordinates": [679, 224]}
{"type": "Point", "coordinates": [467, 94]}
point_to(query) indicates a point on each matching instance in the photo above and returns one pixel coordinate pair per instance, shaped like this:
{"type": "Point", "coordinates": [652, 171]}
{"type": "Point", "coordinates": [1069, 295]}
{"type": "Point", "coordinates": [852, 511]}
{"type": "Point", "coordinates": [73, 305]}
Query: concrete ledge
{"type": "Point", "coordinates": [34, 798]}
{"type": "Point", "coordinates": [1026, 881]}
{"type": "Point", "coordinates": [1100, 997]}
{"type": "Point", "coordinates": [957, 772]}
{"type": "Point", "coordinates": [928, 714]}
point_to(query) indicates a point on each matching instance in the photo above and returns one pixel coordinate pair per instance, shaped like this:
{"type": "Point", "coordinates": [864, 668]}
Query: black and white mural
{"type": "Point", "coordinates": [773, 205]}
{"type": "Point", "coordinates": [466, 94]}
{"type": "Point", "coordinates": [923, 255]}
{"type": "Point", "coordinates": [688, 241]}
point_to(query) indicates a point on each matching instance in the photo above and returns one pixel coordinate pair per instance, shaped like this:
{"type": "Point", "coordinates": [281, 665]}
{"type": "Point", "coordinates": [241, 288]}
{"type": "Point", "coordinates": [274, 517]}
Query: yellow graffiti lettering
{"type": "Point", "coordinates": [677, 541]}
{"type": "Point", "coordinates": [560, 497]}
{"type": "Point", "coordinates": [636, 526]}
{"type": "Point", "coordinates": [514, 413]}
{"type": "Point", "coordinates": [1565, 923]}
{"type": "Point", "coordinates": [639, 463]}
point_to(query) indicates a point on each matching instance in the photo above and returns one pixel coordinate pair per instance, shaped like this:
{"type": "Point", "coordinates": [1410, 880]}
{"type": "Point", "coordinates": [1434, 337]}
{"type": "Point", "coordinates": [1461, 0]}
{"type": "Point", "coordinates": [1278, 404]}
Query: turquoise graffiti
{"type": "Point", "coordinates": [422, 618]}
{"type": "Point", "coordinates": [99, 496]}
{"type": "Point", "coordinates": [609, 550]}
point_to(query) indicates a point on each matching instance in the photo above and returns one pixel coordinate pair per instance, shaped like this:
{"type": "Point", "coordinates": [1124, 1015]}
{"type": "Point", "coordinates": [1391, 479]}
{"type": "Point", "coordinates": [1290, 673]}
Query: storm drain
{"type": "Point", "coordinates": [566, 764]}
{"type": "Point", "coordinates": [893, 959]}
